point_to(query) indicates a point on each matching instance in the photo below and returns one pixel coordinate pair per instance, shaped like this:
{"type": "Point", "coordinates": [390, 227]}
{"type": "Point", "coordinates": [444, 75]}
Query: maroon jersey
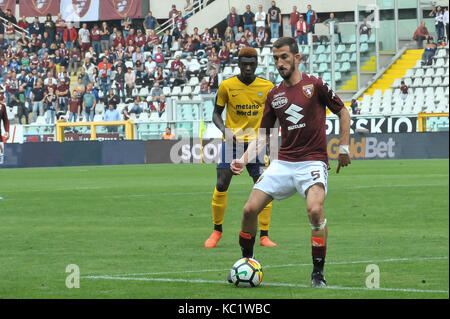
{"type": "Point", "coordinates": [301, 110]}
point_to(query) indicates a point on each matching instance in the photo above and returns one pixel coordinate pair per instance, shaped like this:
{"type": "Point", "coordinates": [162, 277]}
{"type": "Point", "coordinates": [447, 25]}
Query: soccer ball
{"type": "Point", "coordinates": [246, 272]}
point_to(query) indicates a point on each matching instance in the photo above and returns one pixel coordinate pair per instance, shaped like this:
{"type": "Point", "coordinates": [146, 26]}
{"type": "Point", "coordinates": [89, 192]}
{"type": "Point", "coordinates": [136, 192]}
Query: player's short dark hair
{"type": "Point", "coordinates": [287, 41]}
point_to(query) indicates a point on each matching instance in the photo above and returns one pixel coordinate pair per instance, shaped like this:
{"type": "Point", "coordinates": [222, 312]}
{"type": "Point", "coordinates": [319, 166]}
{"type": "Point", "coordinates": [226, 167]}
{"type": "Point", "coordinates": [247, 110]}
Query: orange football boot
{"type": "Point", "coordinates": [265, 241]}
{"type": "Point", "coordinates": [212, 241]}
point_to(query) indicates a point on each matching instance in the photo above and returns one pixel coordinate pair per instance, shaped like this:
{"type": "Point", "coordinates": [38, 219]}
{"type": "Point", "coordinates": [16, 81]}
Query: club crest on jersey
{"type": "Point", "coordinates": [260, 94]}
{"type": "Point", "coordinates": [308, 90]}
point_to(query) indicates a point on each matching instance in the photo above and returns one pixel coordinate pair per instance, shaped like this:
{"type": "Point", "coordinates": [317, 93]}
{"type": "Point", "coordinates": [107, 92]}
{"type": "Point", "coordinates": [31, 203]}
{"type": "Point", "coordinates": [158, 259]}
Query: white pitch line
{"type": "Point", "coordinates": [285, 265]}
{"type": "Point", "coordinates": [272, 284]}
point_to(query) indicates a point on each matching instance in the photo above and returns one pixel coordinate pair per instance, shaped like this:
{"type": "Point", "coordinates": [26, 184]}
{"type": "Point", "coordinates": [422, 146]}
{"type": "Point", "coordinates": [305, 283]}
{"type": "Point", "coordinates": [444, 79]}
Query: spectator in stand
{"type": "Point", "coordinates": [95, 39]}
{"type": "Point", "coordinates": [10, 34]}
{"type": "Point", "coordinates": [248, 19]}
{"type": "Point", "coordinates": [180, 25]}
{"type": "Point", "coordinates": [206, 36]}
{"type": "Point", "coordinates": [10, 17]}
{"type": "Point", "coordinates": [152, 40]}
{"type": "Point", "coordinates": [204, 87]}
{"type": "Point", "coordinates": [192, 67]}
{"type": "Point", "coordinates": [274, 20]}
{"type": "Point", "coordinates": [130, 80]}
{"type": "Point", "coordinates": [239, 34]}
{"type": "Point", "coordinates": [120, 82]}
{"type": "Point", "coordinates": [438, 15]}
{"type": "Point", "coordinates": [175, 66]}
{"type": "Point", "coordinates": [112, 98]}
{"type": "Point", "coordinates": [141, 39]}
{"type": "Point", "coordinates": [36, 27]}
{"type": "Point", "coordinates": [19, 99]}
{"type": "Point", "coordinates": [50, 27]}
{"type": "Point", "coordinates": [162, 107]}
{"type": "Point", "coordinates": [74, 61]}
{"type": "Point", "coordinates": [293, 19]}
{"type": "Point", "coordinates": [311, 19]}
{"type": "Point", "coordinates": [180, 77]}
{"type": "Point", "coordinates": [365, 28]}
{"type": "Point", "coordinates": [74, 106]}
{"type": "Point", "coordinates": [126, 24]}
{"type": "Point", "coordinates": [233, 20]}
{"type": "Point", "coordinates": [51, 103]}
{"type": "Point", "coordinates": [355, 107]}
{"type": "Point", "coordinates": [213, 60]}
{"type": "Point", "coordinates": [242, 43]}
{"type": "Point", "coordinates": [160, 76]}
{"type": "Point", "coordinates": [182, 39]}
{"type": "Point", "coordinates": [260, 18]}
{"type": "Point", "coordinates": [62, 93]}
{"type": "Point", "coordinates": [335, 22]}
{"type": "Point", "coordinates": [84, 38]}
{"type": "Point", "coordinates": [421, 34]}
{"type": "Point", "coordinates": [89, 103]}
{"type": "Point", "coordinates": [111, 115]}
{"type": "Point", "coordinates": [260, 37]}
{"type": "Point", "coordinates": [70, 36]}
{"type": "Point", "coordinates": [105, 80]}
{"type": "Point", "coordinates": [157, 95]}
{"type": "Point", "coordinates": [228, 36]}
{"type": "Point", "coordinates": [125, 113]}
{"type": "Point", "coordinates": [37, 98]}
{"type": "Point", "coordinates": [250, 39]}
{"type": "Point", "coordinates": [173, 13]}
{"type": "Point", "coordinates": [119, 39]}
{"type": "Point", "coordinates": [166, 40]}
{"type": "Point", "coordinates": [150, 23]}
{"type": "Point", "coordinates": [136, 107]}
{"type": "Point", "coordinates": [403, 90]}
{"type": "Point", "coordinates": [429, 52]}
{"type": "Point", "coordinates": [224, 56]}
{"type": "Point", "coordinates": [150, 67]}
{"type": "Point", "coordinates": [105, 33]}
{"type": "Point", "coordinates": [302, 31]}
{"type": "Point", "coordinates": [188, 9]}
{"type": "Point", "coordinates": [217, 40]}
{"type": "Point", "coordinates": [213, 81]}
{"type": "Point", "coordinates": [60, 25]}
{"type": "Point", "coordinates": [23, 24]}
{"type": "Point", "coordinates": [159, 57]}
{"type": "Point", "coordinates": [188, 49]}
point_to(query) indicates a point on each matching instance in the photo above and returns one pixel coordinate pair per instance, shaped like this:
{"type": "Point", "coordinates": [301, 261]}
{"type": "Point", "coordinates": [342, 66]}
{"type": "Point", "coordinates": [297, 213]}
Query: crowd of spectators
{"type": "Point", "coordinates": [58, 70]}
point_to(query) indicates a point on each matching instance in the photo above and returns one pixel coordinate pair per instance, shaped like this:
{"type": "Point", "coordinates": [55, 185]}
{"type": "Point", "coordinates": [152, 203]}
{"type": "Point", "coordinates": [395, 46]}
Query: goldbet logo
{"type": "Point", "coordinates": [367, 148]}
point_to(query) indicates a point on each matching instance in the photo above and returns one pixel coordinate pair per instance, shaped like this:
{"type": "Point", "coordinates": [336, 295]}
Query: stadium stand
{"type": "Point", "coordinates": [185, 103]}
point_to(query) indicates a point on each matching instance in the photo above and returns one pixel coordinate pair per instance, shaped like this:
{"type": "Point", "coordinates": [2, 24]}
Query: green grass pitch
{"type": "Point", "coordinates": [138, 232]}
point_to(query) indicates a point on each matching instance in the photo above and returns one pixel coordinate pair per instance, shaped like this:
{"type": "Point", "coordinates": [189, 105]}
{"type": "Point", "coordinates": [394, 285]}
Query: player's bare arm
{"type": "Point", "coordinates": [237, 165]}
{"type": "Point", "coordinates": [344, 152]}
{"type": "Point", "coordinates": [217, 118]}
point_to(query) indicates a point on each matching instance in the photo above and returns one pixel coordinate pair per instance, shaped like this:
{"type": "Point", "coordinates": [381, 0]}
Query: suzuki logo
{"type": "Point", "coordinates": [294, 112]}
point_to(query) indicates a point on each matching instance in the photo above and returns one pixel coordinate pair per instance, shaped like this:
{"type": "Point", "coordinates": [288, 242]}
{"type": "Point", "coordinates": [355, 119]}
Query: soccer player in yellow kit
{"type": "Point", "coordinates": [244, 97]}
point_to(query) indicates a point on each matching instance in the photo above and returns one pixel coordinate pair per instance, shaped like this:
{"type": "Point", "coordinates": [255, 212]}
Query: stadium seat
{"type": "Point", "coordinates": [372, 38]}
{"type": "Point", "coordinates": [363, 38]}
{"type": "Point", "coordinates": [345, 57]}
{"type": "Point", "coordinates": [364, 48]}
{"type": "Point", "coordinates": [187, 90]}
{"type": "Point", "coordinates": [176, 90]}
{"type": "Point", "coordinates": [345, 67]}
{"type": "Point", "coordinates": [410, 73]}
{"type": "Point", "coordinates": [340, 48]}
{"type": "Point", "coordinates": [320, 49]}
{"type": "Point", "coordinates": [352, 48]}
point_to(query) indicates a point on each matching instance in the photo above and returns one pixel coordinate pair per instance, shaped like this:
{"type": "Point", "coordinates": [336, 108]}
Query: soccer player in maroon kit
{"type": "Point", "coordinates": [299, 103]}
